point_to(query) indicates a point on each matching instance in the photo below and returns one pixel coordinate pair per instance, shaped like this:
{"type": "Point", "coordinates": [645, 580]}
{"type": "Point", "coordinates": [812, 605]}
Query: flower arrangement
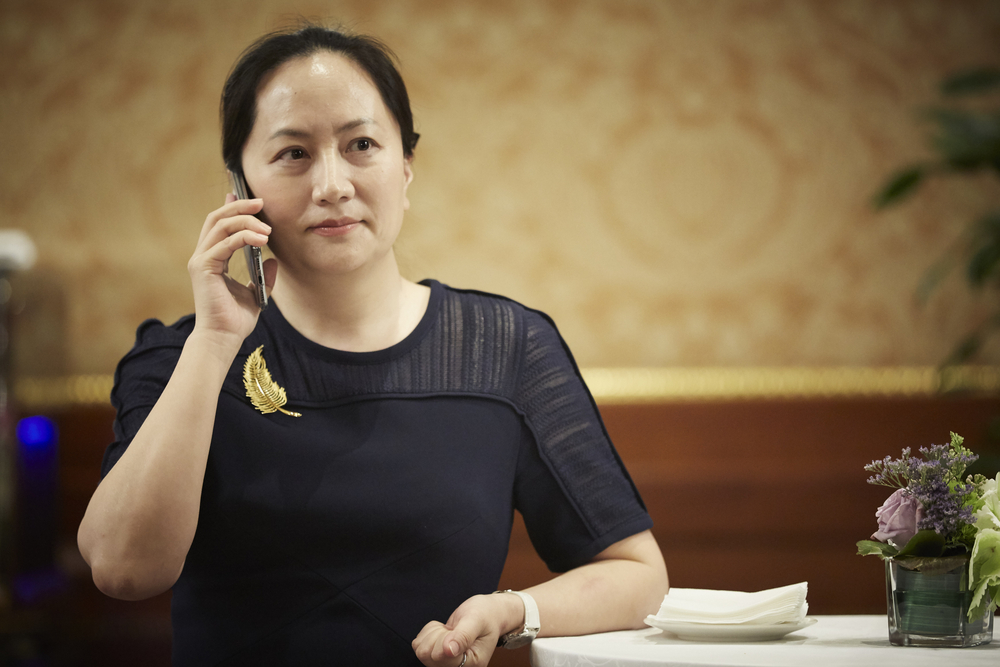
{"type": "Point", "coordinates": [936, 521]}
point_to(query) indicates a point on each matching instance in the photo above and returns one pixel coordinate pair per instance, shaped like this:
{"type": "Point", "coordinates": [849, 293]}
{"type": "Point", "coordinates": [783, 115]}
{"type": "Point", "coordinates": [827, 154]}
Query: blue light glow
{"type": "Point", "coordinates": [37, 431]}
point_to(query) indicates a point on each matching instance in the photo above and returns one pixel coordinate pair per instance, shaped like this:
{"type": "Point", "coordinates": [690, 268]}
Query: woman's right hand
{"type": "Point", "coordinates": [222, 305]}
{"type": "Point", "coordinates": [141, 521]}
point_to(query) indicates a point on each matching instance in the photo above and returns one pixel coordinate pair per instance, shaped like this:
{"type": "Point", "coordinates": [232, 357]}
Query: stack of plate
{"type": "Point", "coordinates": [709, 615]}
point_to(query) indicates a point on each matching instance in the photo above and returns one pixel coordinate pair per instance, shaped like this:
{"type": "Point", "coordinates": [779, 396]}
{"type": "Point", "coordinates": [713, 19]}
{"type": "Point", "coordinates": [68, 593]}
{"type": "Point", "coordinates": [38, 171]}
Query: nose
{"type": "Point", "coordinates": [332, 182]}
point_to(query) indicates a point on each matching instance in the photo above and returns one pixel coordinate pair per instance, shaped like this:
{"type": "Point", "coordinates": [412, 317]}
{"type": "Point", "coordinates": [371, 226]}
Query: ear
{"type": "Point", "coordinates": [407, 177]}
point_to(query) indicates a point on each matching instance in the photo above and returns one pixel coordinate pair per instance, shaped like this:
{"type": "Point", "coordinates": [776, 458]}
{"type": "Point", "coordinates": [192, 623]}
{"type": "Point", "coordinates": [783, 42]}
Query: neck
{"type": "Point", "coordinates": [368, 309]}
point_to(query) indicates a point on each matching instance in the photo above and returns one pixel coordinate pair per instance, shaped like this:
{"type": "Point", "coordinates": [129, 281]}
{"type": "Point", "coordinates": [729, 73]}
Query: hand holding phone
{"type": "Point", "coordinates": [252, 254]}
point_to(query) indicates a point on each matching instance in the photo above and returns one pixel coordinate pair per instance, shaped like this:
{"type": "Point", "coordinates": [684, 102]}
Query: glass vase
{"type": "Point", "coordinates": [931, 609]}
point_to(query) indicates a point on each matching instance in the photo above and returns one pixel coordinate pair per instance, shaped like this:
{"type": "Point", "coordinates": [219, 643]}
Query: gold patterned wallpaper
{"type": "Point", "coordinates": [678, 183]}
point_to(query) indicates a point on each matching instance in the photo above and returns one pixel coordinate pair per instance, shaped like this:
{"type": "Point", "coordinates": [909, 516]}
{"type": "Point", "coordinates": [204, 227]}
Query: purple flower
{"type": "Point", "coordinates": [944, 509]}
{"type": "Point", "coordinates": [898, 518]}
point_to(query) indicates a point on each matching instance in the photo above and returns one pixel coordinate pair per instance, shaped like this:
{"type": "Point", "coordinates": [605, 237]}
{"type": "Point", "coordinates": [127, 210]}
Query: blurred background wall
{"type": "Point", "coordinates": [676, 183]}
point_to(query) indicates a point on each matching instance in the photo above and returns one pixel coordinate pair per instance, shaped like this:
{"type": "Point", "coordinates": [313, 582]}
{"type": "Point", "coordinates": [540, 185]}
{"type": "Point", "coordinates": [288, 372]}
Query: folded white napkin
{"type": "Point", "coordinates": [786, 604]}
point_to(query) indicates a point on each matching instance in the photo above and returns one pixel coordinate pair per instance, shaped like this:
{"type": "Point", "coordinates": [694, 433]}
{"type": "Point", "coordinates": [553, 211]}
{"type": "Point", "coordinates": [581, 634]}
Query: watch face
{"type": "Point", "coordinates": [518, 640]}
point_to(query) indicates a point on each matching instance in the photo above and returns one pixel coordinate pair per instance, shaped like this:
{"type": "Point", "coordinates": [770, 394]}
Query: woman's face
{"type": "Point", "coordinates": [326, 157]}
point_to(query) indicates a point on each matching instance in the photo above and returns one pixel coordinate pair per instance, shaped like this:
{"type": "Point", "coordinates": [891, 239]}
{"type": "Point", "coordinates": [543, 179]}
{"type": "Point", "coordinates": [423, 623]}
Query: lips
{"type": "Point", "coordinates": [336, 227]}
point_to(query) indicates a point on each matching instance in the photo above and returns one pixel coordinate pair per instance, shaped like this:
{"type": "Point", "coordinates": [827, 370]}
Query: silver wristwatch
{"type": "Point", "coordinates": [531, 624]}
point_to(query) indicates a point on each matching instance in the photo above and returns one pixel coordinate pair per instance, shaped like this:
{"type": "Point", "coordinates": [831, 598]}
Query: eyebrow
{"type": "Point", "coordinates": [357, 122]}
{"type": "Point", "coordinates": [303, 134]}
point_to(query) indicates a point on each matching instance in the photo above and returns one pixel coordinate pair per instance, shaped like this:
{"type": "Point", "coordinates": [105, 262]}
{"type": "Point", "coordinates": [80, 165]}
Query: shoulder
{"type": "Point", "coordinates": [153, 336]}
{"type": "Point", "coordinates": [503, 333]}
{"type": "Point", "coordinates": [537, 329]}
{"type": "Point", "coordinates": [152, 357]}
{"type": "Point", "coordinates": [495, 306]}
{"type": "Point", "coordinates": [154, 333]}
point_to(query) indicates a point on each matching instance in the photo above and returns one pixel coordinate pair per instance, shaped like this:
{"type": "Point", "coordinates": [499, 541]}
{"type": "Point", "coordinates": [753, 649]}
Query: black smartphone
{"type": "Point", "coordinates": [255, 262]}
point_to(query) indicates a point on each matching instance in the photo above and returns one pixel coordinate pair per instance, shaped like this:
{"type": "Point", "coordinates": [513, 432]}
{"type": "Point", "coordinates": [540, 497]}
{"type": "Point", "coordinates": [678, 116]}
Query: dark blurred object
{"type": "Point", "coordinates": [6, 450]}
{"type": "Point", "coordinates": [967, 141]}
{"type": "Point", "coordinates": [36, 576]}
{"type": "Point", "coordinates": [58, 617]}
{"type": "Point", "coordinates": [17, 253]}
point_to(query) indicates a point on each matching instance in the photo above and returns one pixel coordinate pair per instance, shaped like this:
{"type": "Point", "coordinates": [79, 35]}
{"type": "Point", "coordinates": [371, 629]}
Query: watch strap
{"type": "Point", "coordinates": [524, 636]}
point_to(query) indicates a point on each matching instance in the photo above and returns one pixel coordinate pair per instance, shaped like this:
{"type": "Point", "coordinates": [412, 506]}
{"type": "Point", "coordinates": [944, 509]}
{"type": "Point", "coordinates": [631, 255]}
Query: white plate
{"type": "Point", "coordinates": [707, 632]}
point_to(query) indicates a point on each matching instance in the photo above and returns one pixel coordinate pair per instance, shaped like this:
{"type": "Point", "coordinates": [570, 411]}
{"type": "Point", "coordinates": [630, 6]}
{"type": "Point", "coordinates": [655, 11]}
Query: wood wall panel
{"type": "Point", "coordinates": [744, 495]}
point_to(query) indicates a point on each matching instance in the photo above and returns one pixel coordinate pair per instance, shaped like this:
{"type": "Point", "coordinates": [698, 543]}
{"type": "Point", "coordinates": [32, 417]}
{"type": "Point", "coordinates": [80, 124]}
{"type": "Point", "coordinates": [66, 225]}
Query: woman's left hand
{"type": "Point", "coordinates": [472, 631]}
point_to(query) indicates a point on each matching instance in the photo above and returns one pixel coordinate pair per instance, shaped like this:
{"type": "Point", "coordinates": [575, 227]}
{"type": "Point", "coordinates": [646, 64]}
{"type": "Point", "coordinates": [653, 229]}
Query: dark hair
{"type": "Point", "coordinates": [239, 96]}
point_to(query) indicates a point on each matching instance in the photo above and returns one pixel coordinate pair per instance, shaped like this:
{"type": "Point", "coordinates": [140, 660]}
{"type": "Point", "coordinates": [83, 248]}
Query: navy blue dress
{"type": "Point", "coordinates": [334, 537]}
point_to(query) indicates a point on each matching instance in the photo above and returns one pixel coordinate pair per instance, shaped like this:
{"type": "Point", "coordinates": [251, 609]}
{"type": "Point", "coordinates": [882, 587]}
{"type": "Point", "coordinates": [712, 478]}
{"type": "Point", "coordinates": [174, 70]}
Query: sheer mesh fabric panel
{"type": "Point", "coordinates": [569, 431]}
{"type": "Point", "coordinates": [489, 346]}
{"type": "Point", "coordinates": [473, 347]}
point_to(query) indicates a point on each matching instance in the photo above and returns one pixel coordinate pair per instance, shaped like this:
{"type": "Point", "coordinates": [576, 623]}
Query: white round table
{"type": "Point", "coordinates": [835, 640]}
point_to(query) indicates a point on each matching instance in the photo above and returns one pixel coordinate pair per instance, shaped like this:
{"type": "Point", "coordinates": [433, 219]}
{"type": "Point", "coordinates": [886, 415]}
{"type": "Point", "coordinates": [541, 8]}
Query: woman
{"type": "Point", "coordinates": [371, 527]}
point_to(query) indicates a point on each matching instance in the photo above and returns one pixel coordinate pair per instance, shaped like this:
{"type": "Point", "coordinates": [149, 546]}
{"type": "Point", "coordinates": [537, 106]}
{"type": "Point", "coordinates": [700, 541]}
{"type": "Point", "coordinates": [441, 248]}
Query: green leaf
{"type": "Point", "coordinates": [932, 564]}
{"type": "Point", "coordinates": [899, 186]}
{"type": "Point", "coordinates": [971, 81]}
{"type": "Point", "coordinates": [934, 276]}
{"type": "Point", "coordinates": [983, 263]}
{"type": "Point", "coordinates": [965, 350]}
{"type": "Point", "coordinates": [966, 139]}
{"type": "Point", "coordinates": [984, 576]}
{"type": "Point", "coordinates": [925, 544]}
{"type": "Point", "coordinates": [988, 225]}
{"type": "Point", "coordinates": [874, 548]}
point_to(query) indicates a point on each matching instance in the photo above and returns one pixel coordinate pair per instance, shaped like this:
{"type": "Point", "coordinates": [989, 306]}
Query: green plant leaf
{"type": "Point", "coordinates": [965, 350]}
{"type": "Point", "coordinates": [988, 226]}
{"type": "Point", "coordinates": [899, 186]}
{"type": "Point", "coordinates": [984, 576]}
{"type": "Point", "coordinates": [934, 276]}
{"type": "Point", "coordinates": [984, 249]}
{"type": "Point", "coordinates": [983, 263]}
{"type": "Point", "coordinates": [971, 81]}
{"type": "Point", "coordinates": [875, 548]}
{"type": "Point", "coordinates": [926, 544]}
{"type": "Point", "coordinates": [932, 564]}
{"type": "Point", "coordinates": [966, 139]}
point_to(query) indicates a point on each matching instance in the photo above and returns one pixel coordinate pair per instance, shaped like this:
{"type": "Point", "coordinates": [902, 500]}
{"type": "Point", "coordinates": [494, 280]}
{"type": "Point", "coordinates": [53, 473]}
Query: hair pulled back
{"type": "Point", "coordinates": [238, 108]}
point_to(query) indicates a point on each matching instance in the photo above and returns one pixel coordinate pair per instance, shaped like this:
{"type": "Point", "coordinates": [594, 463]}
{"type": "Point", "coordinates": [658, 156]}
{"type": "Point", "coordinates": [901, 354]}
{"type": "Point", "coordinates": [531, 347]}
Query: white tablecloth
{"type": "Point", "coordinates": [852, 641]}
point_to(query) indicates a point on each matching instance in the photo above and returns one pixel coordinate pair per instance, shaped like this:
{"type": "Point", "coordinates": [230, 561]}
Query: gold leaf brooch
{"type": "Point", "coordinates": [264, 393]}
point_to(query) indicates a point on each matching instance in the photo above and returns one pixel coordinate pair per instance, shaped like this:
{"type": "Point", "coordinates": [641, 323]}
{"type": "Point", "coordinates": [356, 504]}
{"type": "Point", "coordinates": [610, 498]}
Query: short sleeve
{"type": "Point", "coordinates": [577, 497]}
{"type": "Point", "coordinates": [140, 378]}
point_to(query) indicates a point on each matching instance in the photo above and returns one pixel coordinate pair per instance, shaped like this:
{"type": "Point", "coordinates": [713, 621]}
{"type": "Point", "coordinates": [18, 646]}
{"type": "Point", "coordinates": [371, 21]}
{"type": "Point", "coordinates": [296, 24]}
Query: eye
{"type": "Point", "coordinates": [362, 144]}
{"type": "Point", "coordinates": [292, 154]}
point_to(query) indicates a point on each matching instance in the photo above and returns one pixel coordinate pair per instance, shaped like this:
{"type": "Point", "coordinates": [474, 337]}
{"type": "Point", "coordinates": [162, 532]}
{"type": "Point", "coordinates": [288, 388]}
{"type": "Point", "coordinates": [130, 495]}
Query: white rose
{"type": "Point", "coordinates": [988, 515]}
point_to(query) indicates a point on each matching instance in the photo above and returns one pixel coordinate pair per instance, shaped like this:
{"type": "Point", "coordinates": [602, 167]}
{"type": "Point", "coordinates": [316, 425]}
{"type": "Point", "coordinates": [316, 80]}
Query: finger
{"type": "Point", "coordinates": [229, 226]}
{"type": "Point", "coordinates": [232, 207]}
{"type": "Point", "coordinates": [455, 644]}
{"type": "Point", "coordinates": [238, 207]}
{"type": "Point", "coordinates": [428, 641]}
{"type": "Point", "coordinates": [461, 638]}
{"type": "Point", "coordinates": [216, 258]}
{"type": "Point", "coordinates": [431, 651]}
{"type": "Point", "coordinates": [426, 631]}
